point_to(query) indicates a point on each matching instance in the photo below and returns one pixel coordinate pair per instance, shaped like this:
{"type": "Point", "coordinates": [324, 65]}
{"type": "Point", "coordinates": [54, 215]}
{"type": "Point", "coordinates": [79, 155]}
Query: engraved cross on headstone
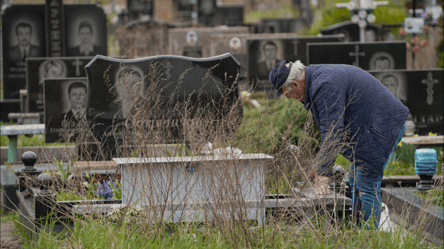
{"type": "Point", "coordinates": [356, 54]}
{"type": "Point", "coordinates": [168, 66]}
{"type": "Point", "coordinates": [295, 42]}
{"type": "Point", "coordinates": [77, 63]}
{"type": "Point", "coordinates": [430, 82]}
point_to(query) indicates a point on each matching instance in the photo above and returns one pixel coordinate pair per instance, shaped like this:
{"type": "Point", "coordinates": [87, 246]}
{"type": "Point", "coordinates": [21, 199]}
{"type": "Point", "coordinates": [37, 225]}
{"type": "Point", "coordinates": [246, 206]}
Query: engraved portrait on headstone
{"type": "Point", "coordinates": [66, 103]}
{"type": "Point", "coordinates": [396, 84]}
{"type": "Point", "coordinates": [86, 32]}
{"type": "Point", "coordinates": [191, 37]}
{"type": "Point", "coordinates": [77, 96]}
{"type": "Point", "coordinates": [23, 37]}
{"type": "Point", "coordinates": [382, 61]}
{"type": "Point", "coordinates": [52, 69]}
{"type": "Point", "coordinates": [269, 51]}
{"type": "Point", "coordinates": [25, 46]}
{"type": "Point", "coordinates": [128, 89]}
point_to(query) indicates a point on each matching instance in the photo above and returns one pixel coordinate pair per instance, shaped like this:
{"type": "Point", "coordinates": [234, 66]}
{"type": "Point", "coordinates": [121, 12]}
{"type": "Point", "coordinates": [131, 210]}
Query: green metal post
{"type": "Point", "coordinates": [12, 150]}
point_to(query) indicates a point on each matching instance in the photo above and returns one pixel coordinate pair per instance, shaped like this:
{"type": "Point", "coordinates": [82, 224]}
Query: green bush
{"type": "Point", "coordinates": [264, 129]}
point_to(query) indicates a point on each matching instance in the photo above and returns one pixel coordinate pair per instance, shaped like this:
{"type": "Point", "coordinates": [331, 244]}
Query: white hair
{"type": "Point", "coordinates": [297, 72]}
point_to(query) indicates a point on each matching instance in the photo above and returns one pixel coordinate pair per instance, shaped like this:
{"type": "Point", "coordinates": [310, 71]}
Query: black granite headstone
{"type": "Point", "coordinates": [422, 92]}
{"type": "Point", "coordinates": [86, 30]}
{"type": "Point", "coordinates": [351, 31]}
{"type": "Point", "coordinates": [203, 82]}
{"type": "Point", "coordinates": [55, 32]}
{"type": "Point", "coordinates": [265, 53]}
{"type": "Point", "coordinates": [206, 9]}
{"type": "Point", "coordinates": [23, 36]}
{"type": "Point", "coordinates": [231, 15]}
{"type": "Point", "coordinates": [138, 8]}
{"type": "Point", "coordinates": [66, 101]}
{"type": "Point", "coordinates": [366, 55]}
{"type": "Point", "coordinates": [38, 69]}
{"type": "Point", "coordinates": [282, 25]}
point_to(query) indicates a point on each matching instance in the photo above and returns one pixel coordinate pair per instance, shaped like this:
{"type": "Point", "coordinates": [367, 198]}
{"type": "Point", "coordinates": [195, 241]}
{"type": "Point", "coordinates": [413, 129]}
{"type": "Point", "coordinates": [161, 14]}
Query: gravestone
{"type": "Point", "coordinates": [139, 8]}
{"type": "Point", "coordinates": [84, 29]}
{"type": "Point", "coordinates": [265, 53]}
{"type": "Point", "coordinates": [23, 36]}
{"type": "Point", "coordinates": [351, 32]}
{"type": "Point", "coordinates": [206, 10]}
{"type": "Point", "coordinates": [38, 69]}
{"type": "Point", "coordinates": [230, 15]}
{"type": "Point", "coordinates": [196, 42]}
{"type": "Point", "coordinates": [422, 92]}
{"type": "Point", "coordinates": [9, 106]}
{"type": "Point", "coordinates": [366, 55]}
{"type": "Point", "coordinates": [129, 84]}
{"type": "Point", "coordinates": [236, 44]}
{"type": "Point", "coordinates": [66, 101]}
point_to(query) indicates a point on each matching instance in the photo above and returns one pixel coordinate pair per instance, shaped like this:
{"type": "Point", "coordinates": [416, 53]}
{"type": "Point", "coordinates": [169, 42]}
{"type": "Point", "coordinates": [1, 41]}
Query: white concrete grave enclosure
{"type": "Point", "coordinates": [197, 188]}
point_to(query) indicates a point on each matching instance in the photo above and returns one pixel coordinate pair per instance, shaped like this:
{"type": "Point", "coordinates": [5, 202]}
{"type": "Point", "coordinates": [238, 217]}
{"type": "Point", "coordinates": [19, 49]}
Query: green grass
{"type": "Point", "coordinates": [103, 234]}
{"type": "Point", "coordinates": [287, 10]}
{"type": "Point", "coordinates": [434, 196]}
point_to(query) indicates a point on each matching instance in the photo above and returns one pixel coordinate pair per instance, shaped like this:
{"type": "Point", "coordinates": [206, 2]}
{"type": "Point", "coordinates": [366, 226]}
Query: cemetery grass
{"type": "Point", "coordinates": [433, 196]}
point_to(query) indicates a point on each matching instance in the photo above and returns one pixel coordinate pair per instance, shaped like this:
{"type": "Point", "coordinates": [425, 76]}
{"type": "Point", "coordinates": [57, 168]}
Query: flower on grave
{"type": "Point", "coordinates": [104, 190]}
{"type": "Point", "coordinates": [424, 43]}
{"type": "Point", "coordinates": [415, 49]}
{"type": "Point", "coordinates": [415, 40]}
{"type": "Point", "coordinates": [416, 135]}
{"type": "Point", "coordinates": [432, 134]}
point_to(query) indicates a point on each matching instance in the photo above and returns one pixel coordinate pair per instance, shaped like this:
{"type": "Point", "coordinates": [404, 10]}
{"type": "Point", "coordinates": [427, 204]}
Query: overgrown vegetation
{"type": "Point", "coordinates": [434, 196]}
{"type": "Point", "coordinates": [440, 46]}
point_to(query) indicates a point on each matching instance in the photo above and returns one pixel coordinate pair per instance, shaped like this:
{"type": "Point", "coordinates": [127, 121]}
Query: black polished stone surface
{"type": "Point", "coordinates": [279, 48]}
{"type": "Point", "coordinates": [29, 21]}
{"type": "Point", "coordinates": [10, 184]}
{"type": "Point", "coordinates": [366, 55]}
{"type": "Point", "coordinates": [351, 32]}
{"type": "Point", "coordinates": [165, 80]}
{"type": "Point", "coordinates": [29, 158]}
{"type": "Point", "coordinates": [65, 104]}
{"type": "Point", "coordinates": [38, 69]}
{"type": "Point", "coordinates": [282, 25]}
{"type": "Point", "coordinates": [9, 106]}
{"type": "Point", "coordinates": [422, 92]}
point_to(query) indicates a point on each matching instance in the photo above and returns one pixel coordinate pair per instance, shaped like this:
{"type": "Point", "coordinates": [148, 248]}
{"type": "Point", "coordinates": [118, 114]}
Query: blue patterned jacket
{"type": "Point", "coordinates": [347, 98]}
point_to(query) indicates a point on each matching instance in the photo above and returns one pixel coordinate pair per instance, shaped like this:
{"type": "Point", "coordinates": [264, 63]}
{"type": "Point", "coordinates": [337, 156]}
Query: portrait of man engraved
{"type": "Point", "coordinates": [395, 83]}
{"type": "Point", "coordinates": [235, 44]}
{"type": "Point", "coordinates": [86, 47]}
{"type": "Point", "coordinates": [191, 37]}
{"type": "Point", "coordinates": [128, 89]}
{"type": "Point", "coordinates": [77, 97]}
{"type": "Point", "coordinates": [269, 50]}
{"type": "Point", "coordinates": [382, 61]}
{"type": "Point", "coordinates": [24, 47]}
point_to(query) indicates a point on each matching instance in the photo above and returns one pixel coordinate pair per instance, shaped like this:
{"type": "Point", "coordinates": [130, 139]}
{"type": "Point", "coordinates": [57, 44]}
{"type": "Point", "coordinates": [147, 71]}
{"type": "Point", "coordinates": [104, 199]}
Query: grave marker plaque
{"type": "Point", "coordinates": [179, 79]}
{"type": "Point", "coordinates": [366, 55]}
{"type": "Point", "coordinates": [422, 92]}
{"type": "Point", "coordinates": [38, 69]}
{"type": "Point", "coordinates": [23, 36]}
{"type": "Point", "coordinates": [265, 53]}
{"type": "Point", "coordinates": [66, 101]}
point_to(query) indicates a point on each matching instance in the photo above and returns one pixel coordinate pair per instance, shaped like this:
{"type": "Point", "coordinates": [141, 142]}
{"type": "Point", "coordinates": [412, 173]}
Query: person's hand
{"type": "Point", "coordinates": [321, 185]}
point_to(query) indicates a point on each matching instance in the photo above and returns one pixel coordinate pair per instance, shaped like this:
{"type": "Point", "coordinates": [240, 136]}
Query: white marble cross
{"type": "Point", "coordinates": [356, 54]}
{"type": "Point", "coordinates": [430, 82]}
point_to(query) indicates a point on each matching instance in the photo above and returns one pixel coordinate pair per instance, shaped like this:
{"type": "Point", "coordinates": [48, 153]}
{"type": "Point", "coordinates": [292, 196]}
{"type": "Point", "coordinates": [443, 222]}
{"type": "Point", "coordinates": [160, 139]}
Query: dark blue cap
{"type": "Point", "coordinates": [278, 76]}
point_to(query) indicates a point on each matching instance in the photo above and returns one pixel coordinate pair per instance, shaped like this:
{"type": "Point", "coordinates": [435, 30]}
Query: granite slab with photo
{"type": "Point", "coordinates": [422, 92]}
{"type": "Point", "coordinates": [130, 86]}
{"type": "Point", "coordinates": [23, 34]}
{"type": "Point", "coordinates": [366, 55]}
{"type": "Point", "coordinates": [196, 42]}
{"type": "Point", "coordinates": [350, 30]}
{"type": "Point", "coordinates": [66, 101]}
{"type": "Point", "coordinates": [40, 68]}
{"type": "Point", "coordinates": [265, 53]}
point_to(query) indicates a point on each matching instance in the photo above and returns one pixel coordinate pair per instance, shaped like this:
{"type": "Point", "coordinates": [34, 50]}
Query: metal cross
{"type": "Point", "coordinates": [356, 54]}
{"type": "Point", "coordinates": [168, 66]}
{"type": "Point", "coordinates": [77, 62]}
{"type": "Point", "coordinates": [295, 42]}
{"type": "Point", "coordinates": [430, 82]}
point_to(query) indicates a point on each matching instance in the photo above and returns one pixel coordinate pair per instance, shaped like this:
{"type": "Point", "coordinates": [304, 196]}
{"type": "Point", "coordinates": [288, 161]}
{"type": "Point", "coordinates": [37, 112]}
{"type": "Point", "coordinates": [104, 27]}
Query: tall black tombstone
{"type": "Point", "coordinates": [138, 8]}
{"type": "Point", "coordinates": [350, 30]}
{"type": "Point", "coordinates": [366, 55]}
{"type": "Point", "coordinates": [422, 92]}
{"type": "Point", "coordinates": [23, 28]}
{"type": "Point", "coordinates": [40, 68]}
{"type": "Point", "coordinates": [265, 53]}
{"type": "Point", "coordinates": [118, 87]}
{"type": "Point", "coordinates": [206, 9]}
